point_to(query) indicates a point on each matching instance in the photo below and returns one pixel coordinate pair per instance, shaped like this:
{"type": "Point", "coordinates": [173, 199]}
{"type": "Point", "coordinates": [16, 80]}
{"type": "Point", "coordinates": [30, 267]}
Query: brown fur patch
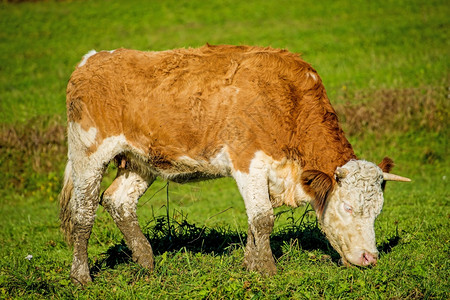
{"type": "Point", "coordinates": [318, 185]}
{"type": "Point", "coordinates": [386, 164]}
{"type": "Point", "coordinates": [193, 102]}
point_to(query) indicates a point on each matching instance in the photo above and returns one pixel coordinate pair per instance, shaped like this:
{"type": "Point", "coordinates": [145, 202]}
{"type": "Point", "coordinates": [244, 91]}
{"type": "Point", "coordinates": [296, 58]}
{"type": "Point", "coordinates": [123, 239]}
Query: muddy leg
{"type": "Point", "coordinates": [120, 200]}
{"type": "Point", "coordinates": [254, 189]}
{"type": "Point", "coordinates": [258, 254]}
{"type": "Point", "coordinates": [86, 190]}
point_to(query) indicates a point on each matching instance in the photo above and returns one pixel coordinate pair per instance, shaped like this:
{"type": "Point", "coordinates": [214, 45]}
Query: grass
{"type": "Point", "coordinates": [353, 45]}
{"type": "Point", "coordinates": [385, 66]}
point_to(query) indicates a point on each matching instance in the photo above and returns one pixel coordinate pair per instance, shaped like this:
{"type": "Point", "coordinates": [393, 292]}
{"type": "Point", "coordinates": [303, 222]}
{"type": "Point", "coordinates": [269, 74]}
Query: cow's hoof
{"type": "Point", "coordinates": [146, 261]}
{"type": "Point", "coordinates": [81, 280]}
{"type": "Point", "coordinates": [79, 274]}
{"type": "Point", "coordinates": [265, 267]}
{"type": "Point", "coordinates": [143, 254]}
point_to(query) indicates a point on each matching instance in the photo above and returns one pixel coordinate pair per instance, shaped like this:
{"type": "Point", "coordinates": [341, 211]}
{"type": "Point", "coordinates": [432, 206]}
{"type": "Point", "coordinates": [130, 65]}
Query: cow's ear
{"type": "Point", "coordinates": [386, 166]}
{"type": "Point", "coordinates": [318, 185]}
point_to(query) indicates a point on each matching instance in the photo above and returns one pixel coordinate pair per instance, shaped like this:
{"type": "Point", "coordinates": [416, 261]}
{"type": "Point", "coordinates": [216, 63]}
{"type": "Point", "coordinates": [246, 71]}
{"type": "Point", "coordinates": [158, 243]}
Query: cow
{"type": "Point", "coordinates": [258, 115]}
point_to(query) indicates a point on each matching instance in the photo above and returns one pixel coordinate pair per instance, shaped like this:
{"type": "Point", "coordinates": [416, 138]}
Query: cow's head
{"type": "Point", "coordinates": [348, 205]}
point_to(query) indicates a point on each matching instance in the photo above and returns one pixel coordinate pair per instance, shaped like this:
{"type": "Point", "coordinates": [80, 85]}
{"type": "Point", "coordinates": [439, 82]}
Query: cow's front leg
{"type": "Point", "coordinates": [258, 254]}
{"type": "Point", "coordinates": [254, 189]}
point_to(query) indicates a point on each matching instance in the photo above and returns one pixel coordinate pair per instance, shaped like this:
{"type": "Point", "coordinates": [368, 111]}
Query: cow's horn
{"type": "Point", "coordinates": [341, 173]}
{"type": "Point", "coordinates": [393, 177]}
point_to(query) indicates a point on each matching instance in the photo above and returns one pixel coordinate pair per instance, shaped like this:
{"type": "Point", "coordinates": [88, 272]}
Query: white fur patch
{"type": "Point", "coordinates": [283, 179]}
{"type": "Point", "coordinates": [361, 188]}
{"type": "Point", "coordinates": [254, 187]}
{"type": "Point", "coordinates": [87, 138]}
{"type": "Point", "coordinates": [79, 143]}
{"type": "Point", "coordinates": [285, 186]}
{"type": "Point", "coordinates": [124, 198]}
{"type": "Point", "coordinates": [109, 148]}
{"type": "Point", "coordinates": [86, 57]}
{"type": "Point", "coordinates": [313, 76]}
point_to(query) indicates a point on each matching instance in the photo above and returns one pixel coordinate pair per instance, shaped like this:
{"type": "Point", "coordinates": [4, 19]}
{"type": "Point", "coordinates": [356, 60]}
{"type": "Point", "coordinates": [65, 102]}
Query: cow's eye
{"type": "Point", "coordinates": [348, 208]}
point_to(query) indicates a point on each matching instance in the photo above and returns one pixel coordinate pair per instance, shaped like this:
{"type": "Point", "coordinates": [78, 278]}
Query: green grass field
{"type": "Point", "coordinates": [386, 69]}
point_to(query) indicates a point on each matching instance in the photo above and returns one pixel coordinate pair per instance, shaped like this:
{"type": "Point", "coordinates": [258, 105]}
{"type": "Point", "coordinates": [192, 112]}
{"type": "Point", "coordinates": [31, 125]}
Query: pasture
{"type": "Point", "coordinates": [386, 70]}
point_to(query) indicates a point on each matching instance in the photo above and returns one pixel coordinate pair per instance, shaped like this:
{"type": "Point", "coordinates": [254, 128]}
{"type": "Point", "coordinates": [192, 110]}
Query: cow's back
{"type": "Point", "coordinates": [195, 102]}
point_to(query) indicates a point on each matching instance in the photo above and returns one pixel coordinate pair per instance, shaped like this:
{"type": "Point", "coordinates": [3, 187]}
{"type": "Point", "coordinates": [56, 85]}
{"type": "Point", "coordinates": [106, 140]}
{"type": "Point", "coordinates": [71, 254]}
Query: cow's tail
{"type": "Point", "coordinates": [65, 205]}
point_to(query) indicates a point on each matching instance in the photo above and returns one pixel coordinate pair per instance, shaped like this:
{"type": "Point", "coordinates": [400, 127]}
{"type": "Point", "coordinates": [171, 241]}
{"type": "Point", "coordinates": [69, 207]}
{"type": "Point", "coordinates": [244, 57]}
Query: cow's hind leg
{"type": "Point", "coordinates": [120, 200]}
{"type": "Point", "coordinates": [86, 185]}
{"type": "Point", "coordinates": [254, 189]}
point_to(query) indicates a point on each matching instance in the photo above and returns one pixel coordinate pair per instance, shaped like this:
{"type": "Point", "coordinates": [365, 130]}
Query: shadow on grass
{"type": "Point", "coordinates": [170, 235]}
{"type": "Point", "coordinates": [387, 246]}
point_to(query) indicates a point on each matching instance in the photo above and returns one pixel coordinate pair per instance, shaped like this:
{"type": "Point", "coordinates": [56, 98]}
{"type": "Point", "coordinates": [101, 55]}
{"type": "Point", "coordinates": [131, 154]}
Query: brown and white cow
{"type": "Point", "coordinates": [259, 115]}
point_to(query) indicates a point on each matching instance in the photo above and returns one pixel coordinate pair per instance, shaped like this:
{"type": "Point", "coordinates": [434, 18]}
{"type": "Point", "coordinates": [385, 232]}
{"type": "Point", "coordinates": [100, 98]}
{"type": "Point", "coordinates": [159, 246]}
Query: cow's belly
{"type": "Point", "coordinates": [185, 169]}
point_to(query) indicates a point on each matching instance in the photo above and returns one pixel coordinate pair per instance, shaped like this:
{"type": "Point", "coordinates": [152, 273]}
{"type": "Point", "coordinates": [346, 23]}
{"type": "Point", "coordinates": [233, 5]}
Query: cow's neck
{"type": "Point", "coordinates": [318, 142]}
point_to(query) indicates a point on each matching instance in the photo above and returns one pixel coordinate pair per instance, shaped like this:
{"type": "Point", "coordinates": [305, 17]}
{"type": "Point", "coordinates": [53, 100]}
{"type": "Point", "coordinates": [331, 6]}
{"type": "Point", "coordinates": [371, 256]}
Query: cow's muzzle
{"type": "Point", "coordinates": [368, 259]}
{"type": "Point", "coordinates": [364, 259]}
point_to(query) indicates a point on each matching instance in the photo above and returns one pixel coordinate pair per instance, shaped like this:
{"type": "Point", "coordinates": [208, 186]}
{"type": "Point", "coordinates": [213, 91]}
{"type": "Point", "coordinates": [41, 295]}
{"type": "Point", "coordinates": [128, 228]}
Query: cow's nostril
{"type": "Point", "coordinates": [369, 258]}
